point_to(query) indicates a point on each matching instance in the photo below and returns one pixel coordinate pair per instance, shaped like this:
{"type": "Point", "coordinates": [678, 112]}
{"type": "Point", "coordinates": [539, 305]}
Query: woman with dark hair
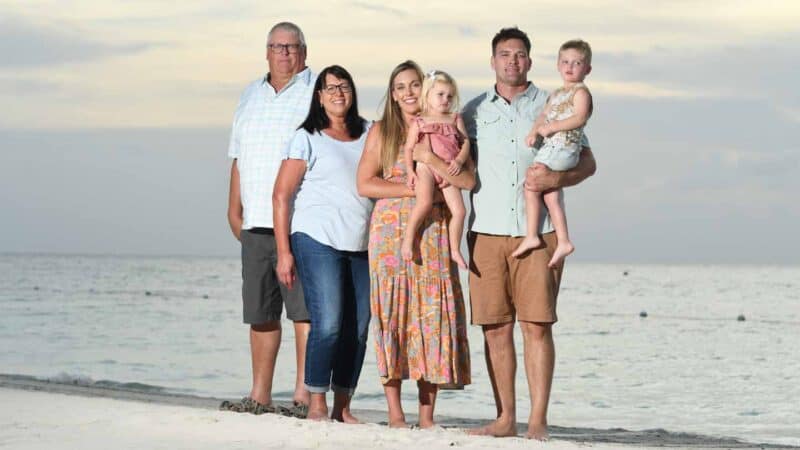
{"type": "Point", "coordinates": [419, 322]}
{"type": "Point", "coordinates": [328, 240]}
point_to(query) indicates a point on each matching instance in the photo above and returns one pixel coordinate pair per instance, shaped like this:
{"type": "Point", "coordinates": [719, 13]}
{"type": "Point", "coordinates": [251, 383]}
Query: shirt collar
{"type": "Point", "coordinates": [304, 76]}
{"type": "Point", "coordinates": [529, 92]}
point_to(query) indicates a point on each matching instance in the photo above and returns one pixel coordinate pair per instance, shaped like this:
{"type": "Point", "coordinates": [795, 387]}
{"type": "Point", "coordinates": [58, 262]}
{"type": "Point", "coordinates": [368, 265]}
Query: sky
{"type": "Point", "coordinates": [116, 115]}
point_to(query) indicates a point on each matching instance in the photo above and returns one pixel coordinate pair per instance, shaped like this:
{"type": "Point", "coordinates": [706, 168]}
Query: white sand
{"type": "Point", "coordinates": [42, 420]}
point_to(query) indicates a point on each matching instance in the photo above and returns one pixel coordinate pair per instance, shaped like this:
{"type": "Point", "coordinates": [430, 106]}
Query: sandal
{"type": "Point", "coordinates": [299, 410]}
{"type": "Point", "coordinates": [247, 404]}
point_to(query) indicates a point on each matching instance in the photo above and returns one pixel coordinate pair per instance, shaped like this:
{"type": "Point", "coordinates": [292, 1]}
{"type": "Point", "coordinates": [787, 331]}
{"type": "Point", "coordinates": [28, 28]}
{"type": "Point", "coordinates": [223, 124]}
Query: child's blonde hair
{"type": "Point", "coordinates": [579, 45]}
{"type": "Point", "coordinates": [433, 77]}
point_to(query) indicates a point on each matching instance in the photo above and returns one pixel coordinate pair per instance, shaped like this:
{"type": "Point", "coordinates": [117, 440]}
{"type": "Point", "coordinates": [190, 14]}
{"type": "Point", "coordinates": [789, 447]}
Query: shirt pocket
{"type": "Point", "coordinates": [488, 127]}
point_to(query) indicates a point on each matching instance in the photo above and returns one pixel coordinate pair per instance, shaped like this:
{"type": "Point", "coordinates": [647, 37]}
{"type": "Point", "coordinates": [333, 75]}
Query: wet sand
{"type": "Point", "coordinates": [40, 414]}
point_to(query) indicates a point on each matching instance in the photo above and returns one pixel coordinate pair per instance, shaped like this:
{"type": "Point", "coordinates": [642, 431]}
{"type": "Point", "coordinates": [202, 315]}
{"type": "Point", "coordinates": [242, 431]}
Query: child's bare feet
{"type": "Point", "coordinates": [456, 256]}
{"type": "Point", "coordinates": [529, 243]}
{"type": "Point", "coordinates": [562, 251]}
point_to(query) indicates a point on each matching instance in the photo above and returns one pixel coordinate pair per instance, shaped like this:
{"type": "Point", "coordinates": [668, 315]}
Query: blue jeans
{"type": "Point", "coordinates": [336, 290]}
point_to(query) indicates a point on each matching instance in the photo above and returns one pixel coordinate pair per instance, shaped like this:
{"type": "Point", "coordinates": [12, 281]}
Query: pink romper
{"type": "Point", "coordinates": [446, 140]}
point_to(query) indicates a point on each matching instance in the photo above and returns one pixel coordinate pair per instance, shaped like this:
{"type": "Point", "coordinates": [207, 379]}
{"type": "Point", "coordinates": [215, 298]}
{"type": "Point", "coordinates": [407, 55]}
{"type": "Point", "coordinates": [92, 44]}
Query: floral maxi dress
{"type": "Point", "coordinates": [418, 315]}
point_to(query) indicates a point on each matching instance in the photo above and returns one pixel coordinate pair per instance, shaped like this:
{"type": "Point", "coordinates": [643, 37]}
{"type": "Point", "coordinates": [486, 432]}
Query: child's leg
{"type": "Point", "coordinates": [424, 194]}
{"type": "Point", "coordinates": [455, 202]}
{"type": "Point", "coordinates": [559, 220]}
{"type": "Point", "coordinates": [533, 206]}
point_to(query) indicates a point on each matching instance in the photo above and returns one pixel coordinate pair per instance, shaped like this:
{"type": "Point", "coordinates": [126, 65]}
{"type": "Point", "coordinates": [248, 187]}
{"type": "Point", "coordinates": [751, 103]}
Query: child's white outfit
{"type": "Point", "coordinates": [561, 151]}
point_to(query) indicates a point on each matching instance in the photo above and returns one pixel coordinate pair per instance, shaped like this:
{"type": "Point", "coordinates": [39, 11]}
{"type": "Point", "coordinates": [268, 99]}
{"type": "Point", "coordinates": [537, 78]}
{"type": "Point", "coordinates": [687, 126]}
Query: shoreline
{"type": "Point", "coordinates": [32, 394]}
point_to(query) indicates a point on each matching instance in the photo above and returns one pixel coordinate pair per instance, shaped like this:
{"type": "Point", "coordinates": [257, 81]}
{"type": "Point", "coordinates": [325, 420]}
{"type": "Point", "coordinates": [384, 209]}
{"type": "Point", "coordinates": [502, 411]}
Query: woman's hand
{"type": "Point", "coordinates": [285, 269]}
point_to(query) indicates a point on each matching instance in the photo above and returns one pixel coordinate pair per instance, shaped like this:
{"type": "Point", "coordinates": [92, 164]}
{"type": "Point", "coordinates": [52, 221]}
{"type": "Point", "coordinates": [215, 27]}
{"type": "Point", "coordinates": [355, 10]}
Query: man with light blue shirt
{"type": "Point", "coordinates": [269, 112]}
{"type": "Point", "coordinates": [504, 288]}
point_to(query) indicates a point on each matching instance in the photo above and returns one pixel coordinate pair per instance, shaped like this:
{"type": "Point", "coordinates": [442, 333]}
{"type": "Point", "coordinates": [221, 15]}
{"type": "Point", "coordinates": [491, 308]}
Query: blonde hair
{"type": "Point", "coordinates": [433, 77]}
{"type": "Point", "coordinates": [579, 45]}
{"type": "Point", "coordinates": [393, 127]}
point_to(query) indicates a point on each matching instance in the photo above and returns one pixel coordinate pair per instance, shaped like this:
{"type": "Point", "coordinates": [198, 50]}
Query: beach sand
{"type": "Point", "coordinates": [42, 415]}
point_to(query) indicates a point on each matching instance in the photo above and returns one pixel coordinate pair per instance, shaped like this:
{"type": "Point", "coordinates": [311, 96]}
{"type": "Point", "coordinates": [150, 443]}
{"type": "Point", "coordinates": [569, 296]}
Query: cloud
{"type": "Point", "coordinates": [380, 8]}
{"type": "Point", "coordinates": [25, 44]}
{"type": "Point", "coordinates": [16, 86]}
{"type": "Point", "coordinates": [758, 70]}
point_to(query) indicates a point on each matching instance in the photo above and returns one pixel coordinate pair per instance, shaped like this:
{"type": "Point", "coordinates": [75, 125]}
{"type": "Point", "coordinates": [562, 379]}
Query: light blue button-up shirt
{"type": "Point", "coordinates": [327, 206]}
{"type": "Point", "coordinates": [497, 131]}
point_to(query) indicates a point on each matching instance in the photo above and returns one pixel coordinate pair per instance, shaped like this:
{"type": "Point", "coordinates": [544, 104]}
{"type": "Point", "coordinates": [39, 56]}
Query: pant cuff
{"type": "Point", "coordinates": [317, 389]}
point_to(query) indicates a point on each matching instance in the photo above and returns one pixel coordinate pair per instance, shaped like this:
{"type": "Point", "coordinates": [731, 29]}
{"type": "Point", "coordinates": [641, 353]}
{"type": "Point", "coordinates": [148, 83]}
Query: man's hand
{"type": "Point", "coordinates": [540, 178]}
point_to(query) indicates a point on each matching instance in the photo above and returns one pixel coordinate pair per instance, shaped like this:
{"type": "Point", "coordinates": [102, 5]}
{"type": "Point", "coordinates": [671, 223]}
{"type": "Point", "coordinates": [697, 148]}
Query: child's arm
{"type": "Point", "coordinates": [408, 154]}
{"type": "Point", "coordinates": [582, 107]}
{"type": "Point", "coordinates": [535, 132]}
{"type": "Point", "coordinates": [463, 154]}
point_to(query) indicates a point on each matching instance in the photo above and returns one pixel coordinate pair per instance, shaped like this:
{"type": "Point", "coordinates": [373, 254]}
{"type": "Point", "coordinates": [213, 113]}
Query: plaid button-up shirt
{"type": "Point", "coordinates": [264, 122]}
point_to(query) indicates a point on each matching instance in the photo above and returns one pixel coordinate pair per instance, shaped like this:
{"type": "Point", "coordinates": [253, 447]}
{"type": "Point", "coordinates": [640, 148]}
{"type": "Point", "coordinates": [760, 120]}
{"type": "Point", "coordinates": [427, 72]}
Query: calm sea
{"type": "Point", "coordinates": [716, 353]}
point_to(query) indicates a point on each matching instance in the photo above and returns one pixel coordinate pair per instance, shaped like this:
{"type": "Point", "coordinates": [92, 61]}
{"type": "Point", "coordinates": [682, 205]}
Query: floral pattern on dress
{"type": "Point", "coordinates": [418, 314]}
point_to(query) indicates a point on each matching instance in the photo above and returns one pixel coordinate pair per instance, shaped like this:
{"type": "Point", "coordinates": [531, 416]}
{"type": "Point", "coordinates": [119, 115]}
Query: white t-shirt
{"type": "Point", "coordinates": [327, 206]}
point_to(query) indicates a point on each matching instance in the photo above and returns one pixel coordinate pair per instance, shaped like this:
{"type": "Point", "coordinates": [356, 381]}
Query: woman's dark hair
{"type": "Point", "coordinates": [317, 120]}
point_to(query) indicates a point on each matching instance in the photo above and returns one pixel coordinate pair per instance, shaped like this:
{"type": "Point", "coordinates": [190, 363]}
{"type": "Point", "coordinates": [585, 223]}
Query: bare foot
{"type": "Point", "coordinates": [346, 417]}
{"type": "Point", "coordinates": [456, 256]}
{"type": "Point", "coordinates": [406, 251]}
{"type": "Point", "coordinates": [319, 415]}
{"type": "Point", "coordinates": [562, 251]}
{"type": "Point", "coordinates": [496, 429]}
{"type": "Point", "coordinates": [301, 397]}
{"type": "Point", "coordinates": [529, 243]}
{"type": "Point", "coordinates": [399, 423]}
{"type": "Point", "coordinates": [537, 432]}
{"type": "Point", "coordinates": [425, 424]}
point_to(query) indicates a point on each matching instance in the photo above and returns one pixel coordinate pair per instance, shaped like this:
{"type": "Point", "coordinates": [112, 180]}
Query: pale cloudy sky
{"type": "Point", "coordinates": [115, 117]}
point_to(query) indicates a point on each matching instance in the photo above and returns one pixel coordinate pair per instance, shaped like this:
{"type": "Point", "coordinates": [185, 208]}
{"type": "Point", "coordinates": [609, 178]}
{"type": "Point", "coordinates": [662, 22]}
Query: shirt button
{"type": "Point", "coordinates": [512, 162]}
{"type": "Point", "coordinates": [512, 140]}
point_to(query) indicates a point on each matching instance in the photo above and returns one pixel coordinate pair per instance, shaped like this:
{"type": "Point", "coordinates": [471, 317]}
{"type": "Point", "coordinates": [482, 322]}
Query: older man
{"type": "Point", "coordinates": [269, 111]}
{"type": "Point", "coordinates": [504, 288]}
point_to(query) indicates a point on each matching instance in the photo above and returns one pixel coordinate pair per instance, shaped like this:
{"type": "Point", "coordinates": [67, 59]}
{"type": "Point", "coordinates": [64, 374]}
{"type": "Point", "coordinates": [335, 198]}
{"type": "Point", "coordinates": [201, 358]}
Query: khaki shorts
{"type": "Point", "coordinates": [502, 287]}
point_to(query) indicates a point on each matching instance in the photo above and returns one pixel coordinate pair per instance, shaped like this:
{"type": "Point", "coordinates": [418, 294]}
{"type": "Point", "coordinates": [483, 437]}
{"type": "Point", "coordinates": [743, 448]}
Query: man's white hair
{"type": "Point", "coordinates": [290, 27]}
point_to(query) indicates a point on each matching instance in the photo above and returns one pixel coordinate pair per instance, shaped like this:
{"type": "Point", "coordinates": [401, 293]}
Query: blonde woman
{"type": "Point", "coordinates": [418, 316]}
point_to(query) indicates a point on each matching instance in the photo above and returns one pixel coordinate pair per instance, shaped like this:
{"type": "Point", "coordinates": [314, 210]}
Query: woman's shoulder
{"type": "Point", "coordinates": [375, 127]}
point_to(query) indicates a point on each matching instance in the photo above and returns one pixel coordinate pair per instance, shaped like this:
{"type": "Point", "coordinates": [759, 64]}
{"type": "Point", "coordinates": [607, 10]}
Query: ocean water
{"type": "Point", "coordinates": [691, 365]}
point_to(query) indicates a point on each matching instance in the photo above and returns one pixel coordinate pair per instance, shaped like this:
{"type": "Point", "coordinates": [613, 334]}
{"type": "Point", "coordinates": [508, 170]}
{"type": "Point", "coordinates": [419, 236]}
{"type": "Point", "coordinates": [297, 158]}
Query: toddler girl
{"type": "Point", "coordinates": [445, 129]}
